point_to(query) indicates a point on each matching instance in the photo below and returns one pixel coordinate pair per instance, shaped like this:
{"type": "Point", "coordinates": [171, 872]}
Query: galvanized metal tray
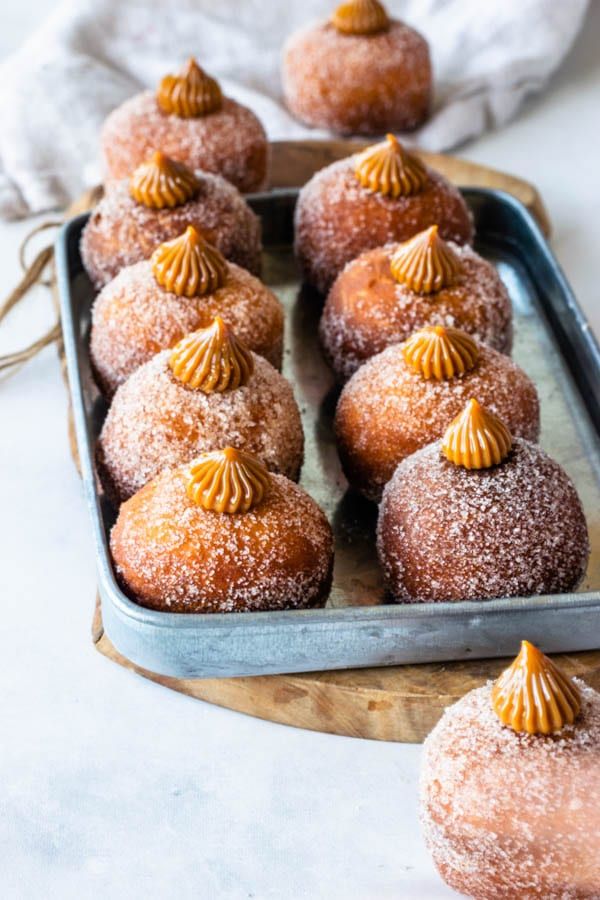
{"type": "Point", "coordinates": [358, 628]}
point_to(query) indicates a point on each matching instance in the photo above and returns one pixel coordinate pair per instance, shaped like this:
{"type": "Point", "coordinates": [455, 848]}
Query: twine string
{"type": "Point", "coordinates": [33, 273]}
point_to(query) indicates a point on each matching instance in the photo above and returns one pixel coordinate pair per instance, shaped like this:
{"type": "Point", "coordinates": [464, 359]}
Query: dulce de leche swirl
{"type": "Point", "coordinates": [534, 696]}
{"type": "Point", "coordinates": [190, 94]}
{"type": "Point", "coordinates": [227, 481]}
{"type": "Point", "coordinates": [476, 438]}
{"type": "Point", "coordinates": [388, 169]}
{"type": "Point", "coordinates": [188, 265]}
{"type": "Point", "coordinates": [360, 17]}
{"type": "Point", "coordinates": [162, 182]}
{"type": "Point", "coordinates": [426, 263]}
{"type": "Point", "coordinates": [440, 353]}
{"type": "Point", "coordinates": [211, 360]}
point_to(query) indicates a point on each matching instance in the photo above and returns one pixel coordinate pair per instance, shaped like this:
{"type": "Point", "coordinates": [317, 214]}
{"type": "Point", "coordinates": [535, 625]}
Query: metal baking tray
{"type": "Point", "coordinates": [358, 627]}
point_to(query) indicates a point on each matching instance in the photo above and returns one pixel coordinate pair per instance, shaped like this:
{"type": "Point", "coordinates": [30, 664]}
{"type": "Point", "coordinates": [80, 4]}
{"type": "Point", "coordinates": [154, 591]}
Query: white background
{"type": "Point", "coordinates": [113, 787]}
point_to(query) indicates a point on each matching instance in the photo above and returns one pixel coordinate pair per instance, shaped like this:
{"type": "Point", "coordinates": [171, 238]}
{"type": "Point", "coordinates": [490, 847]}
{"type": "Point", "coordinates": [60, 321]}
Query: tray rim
{"type": "Point", "coordinates": [273, 620]}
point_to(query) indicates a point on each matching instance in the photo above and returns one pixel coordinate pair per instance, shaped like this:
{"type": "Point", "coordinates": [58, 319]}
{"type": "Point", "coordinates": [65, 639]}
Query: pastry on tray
{"type": "Point", "coordinates": [510, 786]}
{"type": "Point", "coordinates": [367, 200]}
{"type": "Point", "coordinates": [160, 199]}
{"type": "Point", "coordinates": [222, 534]}
{"type": "Point", "coordinates": [153, 304]}
{"type": "Point", "coordinates": [361, 72]}
{"type": "Point", "coordinates": [208, 392]}
{"type": "Point", "coordinates": [480, 514]}
{"type": "Point", "coordinates": [387, 293]}
{"type": "Point", "coordinates": [189, 119]}
{"type": "Point", "coordinates": [403, 398]}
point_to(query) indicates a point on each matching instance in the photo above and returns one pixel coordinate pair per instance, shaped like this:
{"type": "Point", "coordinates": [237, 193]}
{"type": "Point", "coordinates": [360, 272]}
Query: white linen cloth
{"type": "Point", "coordinates": [90, 55]}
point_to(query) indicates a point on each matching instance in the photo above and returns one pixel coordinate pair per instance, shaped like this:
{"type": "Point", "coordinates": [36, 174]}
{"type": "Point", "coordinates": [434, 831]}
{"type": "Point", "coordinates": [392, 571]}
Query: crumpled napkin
{"type": "Point", "coordinates": [90, 55]}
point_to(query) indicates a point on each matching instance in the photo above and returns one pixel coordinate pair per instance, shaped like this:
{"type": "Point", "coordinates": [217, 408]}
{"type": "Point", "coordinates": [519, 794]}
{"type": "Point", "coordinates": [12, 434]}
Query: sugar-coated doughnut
{"type": "Point", "coordinates": [374, 303]}
{"type": "Point", "coordinates": [270, 547]}
{"type": "Point", "coordinates": [123, 229]}
{"type": "Point", "coordinates": [381, 195]}
{"type": "Point", "coordinates": [394, 405]}
{"type": "Point", "coordinates": [219, 136]}
{"type": "Point", "coordinates": [478, 516]}
{"type": "Point", "coordinates": [360, 73]}
{"type": "Point", "coordinates": [136, 316]}
{"type": "Point", "coordinates": [208, 392]}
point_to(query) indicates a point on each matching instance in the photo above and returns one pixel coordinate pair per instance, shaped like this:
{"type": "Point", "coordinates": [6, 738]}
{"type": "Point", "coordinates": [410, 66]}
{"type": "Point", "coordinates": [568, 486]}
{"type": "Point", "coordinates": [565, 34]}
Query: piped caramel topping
{"type": "Point", "coordinates": [426, 263]}
{"type": "Point", "coordinates": [360, 17]}
{"type": "Point", "coordinates": [163, 182]}
{"type": "Point", "coordinates": [227, 481]}
{"type": "Point", "coordinates": [212, 359]}
{"type": "Point", "coordinates": [388, 169]}
{"type": "Point", "coordinates": [534, 696]}
{"type": "Point", "coordinates": [189, 94]}
{"type": "Point", "coordinates": [476, 438]}
{"type": "Point", "coordinates": [188, 265]}
{"type": "Point", "coordinates": [440, 353]}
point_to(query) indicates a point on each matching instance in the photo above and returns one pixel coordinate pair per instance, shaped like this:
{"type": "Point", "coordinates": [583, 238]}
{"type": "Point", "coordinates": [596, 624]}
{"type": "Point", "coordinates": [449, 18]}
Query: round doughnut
{"type": "Point", "coordinates": [155, 421]}
{"type": "Point", "coordinates": [511, 814]}
{"type": "Point", "coordinates": [446, 532]}
{"type": "Point", "coordinates": [171, 553]}
{"type": "Point", "coordinates": [388, 410]}
{"type": "Point", "coordinates": [134, 317]}
{"type": "Point", "coordinates": [228, 140]}
{"type": "Point", "coordinates": [337, 218]}
{"type": "Point", "coordinates": [121, 231]}
{"type": "Point", "coordinates": [358, 83]}
{"type": "Point", "coordinates": [367, 309]}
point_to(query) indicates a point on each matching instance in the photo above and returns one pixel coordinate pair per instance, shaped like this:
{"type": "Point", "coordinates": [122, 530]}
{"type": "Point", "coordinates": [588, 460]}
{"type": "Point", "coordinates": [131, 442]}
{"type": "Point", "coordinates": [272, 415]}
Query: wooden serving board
{"type": "Point", "coordinates": [398, 703]}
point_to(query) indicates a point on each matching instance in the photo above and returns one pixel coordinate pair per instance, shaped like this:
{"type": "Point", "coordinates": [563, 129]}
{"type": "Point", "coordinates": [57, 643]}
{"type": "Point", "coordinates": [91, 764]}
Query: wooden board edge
{"type": "Point", "coordinates": [391, 708]}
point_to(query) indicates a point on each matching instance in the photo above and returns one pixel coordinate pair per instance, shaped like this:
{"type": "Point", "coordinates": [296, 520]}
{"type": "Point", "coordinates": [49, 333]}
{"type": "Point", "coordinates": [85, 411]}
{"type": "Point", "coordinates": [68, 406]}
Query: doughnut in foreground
{"type": "Point", "coordinates": [510, 787]}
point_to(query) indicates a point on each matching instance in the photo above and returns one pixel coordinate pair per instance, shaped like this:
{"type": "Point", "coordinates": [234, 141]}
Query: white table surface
{"type": "Point", "coordinates": [114, 787]}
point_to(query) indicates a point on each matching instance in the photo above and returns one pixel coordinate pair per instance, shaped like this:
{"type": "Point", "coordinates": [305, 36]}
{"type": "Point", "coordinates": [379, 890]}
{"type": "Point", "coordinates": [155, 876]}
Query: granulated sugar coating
{"type": "Point", "coordinates": [447, 533]}
{"type": "Point", "coordinates": [133, 318]}
{"type": "Point", "coordinates": [387, 411]}
{"type": "Point", "coordinates": [508, 815]}
{"type": "Point", "coordinates": [368, 310]}
{"type": "Point", "coordinates": [358, 84]}
{"type": "Point", "coordinates": [172, 554]}
{"type": "Point", "coordinates": [337, 219]}
{"type": "Point", "coordinates": [230, 142]}
{"type": "Point", "coordinates": [155, 422]}
{"type": "Point", "coordinates": [121, 231]}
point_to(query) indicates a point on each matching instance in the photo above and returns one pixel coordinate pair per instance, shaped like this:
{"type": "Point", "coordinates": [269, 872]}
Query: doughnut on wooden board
{"type": "Point", "coordinates": [399, 703]}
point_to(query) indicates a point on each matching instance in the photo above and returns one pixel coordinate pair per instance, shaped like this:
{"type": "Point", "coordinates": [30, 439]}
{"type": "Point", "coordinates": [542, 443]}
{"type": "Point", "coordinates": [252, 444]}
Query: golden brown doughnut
{"type": "Point", "coordinates": [206, 393]}
{"type": "Point", "coordinates": [223, 137]}
{"type": "Point", "coordinates": [388, 410]}
{"type": "Point", "coordinates": [122, 230]}
{"type": "Point", "coordinates": [358, 73]}
{"type": "Point", "coordinates": [368, 308]}
{"type": "Point", "coordinates": [134, 316]}
{"type": "Point", "coordinates": [514, 811]}
{"type": "Point", "coordinates": [337, 218]}
{"type": "Point", "coordinates": [272, 550]}
{"type": "Point", "coordinates": [471, 518]}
